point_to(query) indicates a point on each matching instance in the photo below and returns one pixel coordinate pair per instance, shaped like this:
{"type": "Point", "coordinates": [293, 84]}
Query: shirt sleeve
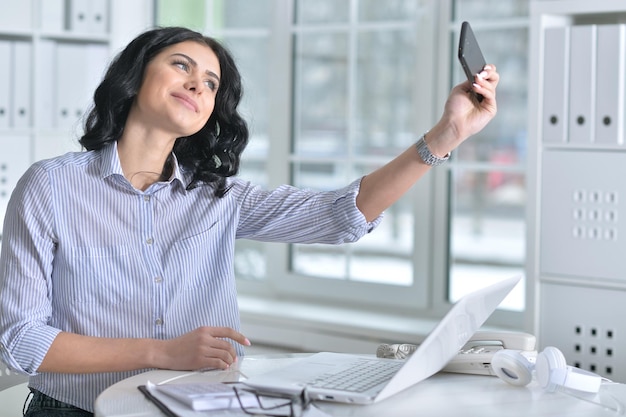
{"type": "Point", "coordinates": [25, 270]}
{"type": "Point", "coordinates": [292, 215]}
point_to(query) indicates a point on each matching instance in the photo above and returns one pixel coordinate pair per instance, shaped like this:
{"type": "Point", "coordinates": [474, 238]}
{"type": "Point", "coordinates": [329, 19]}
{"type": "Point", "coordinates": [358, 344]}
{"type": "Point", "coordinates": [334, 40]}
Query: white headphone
{"type": "Point", "coordinates": [550, 369]}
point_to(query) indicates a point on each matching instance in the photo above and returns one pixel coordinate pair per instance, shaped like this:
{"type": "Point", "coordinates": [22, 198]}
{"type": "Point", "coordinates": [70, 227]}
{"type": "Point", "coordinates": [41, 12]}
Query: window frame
{"type": "Point", "coordinates": [448, 34]}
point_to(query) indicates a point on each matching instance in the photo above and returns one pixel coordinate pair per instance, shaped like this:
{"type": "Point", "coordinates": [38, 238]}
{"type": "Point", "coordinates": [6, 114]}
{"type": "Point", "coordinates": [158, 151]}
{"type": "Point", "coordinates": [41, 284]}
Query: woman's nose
{"type": "Point", "coordinates": [195, 84]}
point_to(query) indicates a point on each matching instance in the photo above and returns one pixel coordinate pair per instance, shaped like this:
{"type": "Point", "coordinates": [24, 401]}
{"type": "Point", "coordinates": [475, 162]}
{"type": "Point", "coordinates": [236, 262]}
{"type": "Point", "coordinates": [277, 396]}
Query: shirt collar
{"type": "Point", "coordinates": [111, 165]}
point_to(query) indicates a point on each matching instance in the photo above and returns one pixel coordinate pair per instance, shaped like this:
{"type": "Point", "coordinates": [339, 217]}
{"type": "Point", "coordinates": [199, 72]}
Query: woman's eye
{"type": "Point", "coordinates": [182, 65]}
{"type": "Point", "coordinates": [210, 84]}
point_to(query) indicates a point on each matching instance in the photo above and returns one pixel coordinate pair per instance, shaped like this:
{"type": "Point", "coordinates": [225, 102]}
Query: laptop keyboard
{"type": "Point", "coordinates": [360, 377]}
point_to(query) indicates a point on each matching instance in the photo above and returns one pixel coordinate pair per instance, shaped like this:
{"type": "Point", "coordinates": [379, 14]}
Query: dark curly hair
{"type": "Point", "coordinates": [211, 154]}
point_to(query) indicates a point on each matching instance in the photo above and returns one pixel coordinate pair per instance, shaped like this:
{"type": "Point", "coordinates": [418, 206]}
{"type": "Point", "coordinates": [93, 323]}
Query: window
{"type": "Point", "coordinates": [354, 97]}
{"type": "Point", "coordinates": [487, 174]}
{"type": "Point", "coordinates": [335, 89]}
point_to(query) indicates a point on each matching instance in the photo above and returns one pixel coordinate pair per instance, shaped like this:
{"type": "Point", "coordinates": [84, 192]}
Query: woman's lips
{"type": "Point", "coordinates": [188, 101]}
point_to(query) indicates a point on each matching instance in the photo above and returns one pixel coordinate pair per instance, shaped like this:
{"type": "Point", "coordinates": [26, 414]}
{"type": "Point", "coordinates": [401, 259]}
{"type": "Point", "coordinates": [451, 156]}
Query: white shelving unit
{"type": "Point", "coordinates": [576, 215]}
{"type": "Point", "coordinates": [53, 55]}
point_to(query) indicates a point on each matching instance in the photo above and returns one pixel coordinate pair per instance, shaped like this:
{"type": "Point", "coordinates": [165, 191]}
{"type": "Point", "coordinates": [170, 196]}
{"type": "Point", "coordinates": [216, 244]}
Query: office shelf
{"type": "Point", "coordinates": [576, 218]}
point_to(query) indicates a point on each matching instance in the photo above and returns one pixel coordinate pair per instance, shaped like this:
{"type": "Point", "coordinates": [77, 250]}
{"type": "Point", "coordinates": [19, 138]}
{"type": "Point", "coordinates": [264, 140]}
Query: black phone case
{"type": "Point", "coordinates": [470, 55]}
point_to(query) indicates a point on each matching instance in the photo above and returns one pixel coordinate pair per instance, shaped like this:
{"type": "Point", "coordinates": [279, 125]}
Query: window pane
{"type": "Point", "coordinates": [322, 11]}
{"type": "Point", "coordinates": [254, 170]}
{"type": "Point", "coordinates": [357, 264]}
{"type": "Point", "coordinates": [320, 261]}
{"type": "Point", "coordinates": [395, 235]}
{"type": "Point", "coordinates": [487, 226]}
{"type": "Point", "coordinates": [386, 255]}
{"type": "Point", "coordinates": [373, 10]}
{"type": "Point", "coordinates": [170, 13]}
{"type": "Point", "coordinates": [383, 257]}
{"type": "Point", "coordinates": [489, 9]}
{"type": "Point", "coordinates": [383, 269]}
{"type": "Point", "coordinates": [384, 104]}
{"type": "Point", "coordinates": [355, 102]}
{"type": "Point", "coordinates": [504, 138]}
{"type": "Point", "coordinates": [487, 222]}
{"type": "Point", "coordinates": [242, 13]}
{"type": "Point", "coordinates": [466, 278]}
{"type": "Point", "coordinates": [321, 94]}
{"type": "Point", "coordinates": [250, 53]}
{"type": "Point", "coordinates": [320, 175]}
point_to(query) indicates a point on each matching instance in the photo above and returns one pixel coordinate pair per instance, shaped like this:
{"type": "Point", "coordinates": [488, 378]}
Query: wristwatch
{"type": "Point", "coordinates": [426, 155]}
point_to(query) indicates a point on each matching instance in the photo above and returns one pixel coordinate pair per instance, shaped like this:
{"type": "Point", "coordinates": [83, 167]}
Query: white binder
{"type": "Point", "coordinates": [68, 68]}
{"type": "Point", "coordinates": [610, 90]}
{"type": "Point", "coordinates": [5, 83]}
{"type": "Point", "coordinates": [52, 15]}
{"type": "Point", "coordinates": [555, 84]}
{"type": "Point", "coordinates": [80, 68]}
{"type": "Point", "coordinates": [21, 84]}
{"type": "Point", "coordinates": [46, 84]}
{"type": "Point", "coordinates": [78, 12]}
{"type": "Point", "coordinates": [95, 58]}
{"type": "Point", "coordinates": [582, 84]}
{"type": "Point", "coordinates": [16, 15]}
{"type": "Point", "coordinates": [99, 16]}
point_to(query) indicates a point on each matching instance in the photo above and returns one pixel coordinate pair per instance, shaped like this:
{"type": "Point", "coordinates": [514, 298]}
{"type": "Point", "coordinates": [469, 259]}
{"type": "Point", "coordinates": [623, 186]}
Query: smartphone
{"type": "Point", "coordinates": [470, 55]}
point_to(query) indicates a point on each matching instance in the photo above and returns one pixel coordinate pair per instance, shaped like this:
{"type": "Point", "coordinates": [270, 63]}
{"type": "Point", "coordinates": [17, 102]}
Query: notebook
{"type": "Point", "coordinates": [440, 346]}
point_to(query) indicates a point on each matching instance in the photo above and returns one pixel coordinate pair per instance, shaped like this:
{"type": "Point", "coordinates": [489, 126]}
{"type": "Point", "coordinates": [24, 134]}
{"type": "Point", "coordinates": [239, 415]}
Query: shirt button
{"type": "Point", "coordinates": [149, 241]}
{"type": "Point", "coordinates": [146, 198]}
{"type": "Point", "coordinates": [158, 321]}
{"type": "Point", "coordinates": [158, 280]}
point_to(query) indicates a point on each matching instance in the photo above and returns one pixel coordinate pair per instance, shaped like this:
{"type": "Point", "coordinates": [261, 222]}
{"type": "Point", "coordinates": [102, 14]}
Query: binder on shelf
{"type": "Point", "coordinates": [16, 15]}
{"type": "Point", "coordinates": [610, 84]}
{"type": "Point", "coordinates": [15, 158]}
{"type": "Point", "coordinates": [21, 84]}
{"type": "Point", "coordinates": [555, 84]}
{"type": "Point", "coordinates": [68, 68]}
{"type": "Point", "coordinates": [5, 83]}
{"type": "Point", "coordinates": [99, 16]}
{"type": "Point", "coordinates": [77, 16]}
{"type": "Point", "coordinates": [52, 15]}
{"type": "Point", "coordinates": [79, 69]}
{"type": "Point", "coordinates": [97, 57]}
{"type": "Point", "coordinates": [582, 84]}
{"type": "Point", "coordinates": [46, 84]}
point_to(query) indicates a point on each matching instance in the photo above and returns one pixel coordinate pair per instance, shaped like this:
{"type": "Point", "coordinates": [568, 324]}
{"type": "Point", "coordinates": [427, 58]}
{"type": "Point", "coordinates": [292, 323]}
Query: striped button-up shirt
{"type": "Point", "coordinates": [85, 252]}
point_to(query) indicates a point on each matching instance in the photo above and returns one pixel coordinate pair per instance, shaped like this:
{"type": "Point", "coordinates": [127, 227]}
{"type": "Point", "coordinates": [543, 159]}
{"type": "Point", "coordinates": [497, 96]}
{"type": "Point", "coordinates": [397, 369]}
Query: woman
{"type": "Point", "coordinates": [119, 259]}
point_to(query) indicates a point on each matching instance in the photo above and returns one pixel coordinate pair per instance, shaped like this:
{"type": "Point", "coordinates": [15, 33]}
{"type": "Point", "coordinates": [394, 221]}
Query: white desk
{"type": "Point", "coordinates": [441, 395]}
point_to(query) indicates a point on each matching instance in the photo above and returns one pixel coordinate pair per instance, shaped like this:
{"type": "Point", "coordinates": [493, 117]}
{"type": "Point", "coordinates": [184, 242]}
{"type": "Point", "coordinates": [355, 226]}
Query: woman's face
{"type": "Point", "coordinates": [178, 91]}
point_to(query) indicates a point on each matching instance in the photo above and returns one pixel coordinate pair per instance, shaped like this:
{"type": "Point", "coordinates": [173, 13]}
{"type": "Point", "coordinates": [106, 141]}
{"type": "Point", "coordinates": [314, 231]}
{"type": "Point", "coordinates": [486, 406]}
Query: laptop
{"type": "Point", "coordinates": [465, 317]}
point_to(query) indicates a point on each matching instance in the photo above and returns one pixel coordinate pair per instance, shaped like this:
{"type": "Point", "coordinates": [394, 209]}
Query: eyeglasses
{"type": "Point", "coordinates": [271, 404]}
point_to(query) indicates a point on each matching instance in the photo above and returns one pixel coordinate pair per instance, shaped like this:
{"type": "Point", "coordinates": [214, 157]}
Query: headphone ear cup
{"type": "Point", "coordinates": [549, 365]}
{"type": "Point", "coordinates": [552, 372]}
{"type": "Point", "coordinates": [512, 367]}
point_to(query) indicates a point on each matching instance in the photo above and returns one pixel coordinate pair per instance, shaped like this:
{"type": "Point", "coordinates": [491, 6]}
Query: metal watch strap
{"type": "Point", "coordinates": [426, 155]}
